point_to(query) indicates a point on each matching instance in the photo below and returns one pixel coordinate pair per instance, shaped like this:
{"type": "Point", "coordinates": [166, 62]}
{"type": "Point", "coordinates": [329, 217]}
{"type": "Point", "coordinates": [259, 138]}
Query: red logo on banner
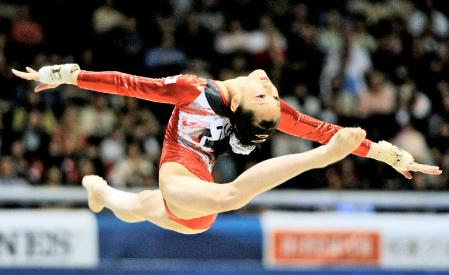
{"type": "Point", "coordinates": [325, 247]}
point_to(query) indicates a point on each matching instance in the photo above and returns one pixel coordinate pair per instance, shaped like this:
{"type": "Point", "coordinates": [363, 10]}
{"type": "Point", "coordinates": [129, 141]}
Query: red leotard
{"type": "Point", "coordinates": [193, 124]}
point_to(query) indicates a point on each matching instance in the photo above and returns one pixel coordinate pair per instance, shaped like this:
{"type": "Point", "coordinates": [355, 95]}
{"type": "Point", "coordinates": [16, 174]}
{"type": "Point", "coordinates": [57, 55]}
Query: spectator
{"type": "Point", "coordinates": [236, 39]}
{"type": "Point", "coordinates": [165, 59]}
{"type": "Point", "coordinates": [25, 30]}
{"type": "Point", "coordinates": [9, 174]}
{"type": "Point", "coordinates": [130, 45]}
{"type": "Point", "coordinates": [428, 18]}
{"type": "Point", "coordinates": [19, 159]}
{"type": "Point", "coordinates": [54, 177]}
{"type": "Point", "coordinates": [194, 38]}
{"type": "Point", "coordinates": [96, 119]}
{"type": "Point", "coordinates": [71, 130]}
{"type": "Point", "coordinates": [379, 98]}
{"type": "Point", "coordinates": [34, 137]}
{"type": "Point", "coordinates": [107, 18]}
{"type": "Point", "coordinates": [277, 44]}
{"type": "Point", "coordinates": [86, 167]}
{"type": "Point", "coordinates": [133, 170]}
{"type": "Point", "coordinates": [112, 148]}
{"type": "Point", "coordinates": [330, 40]}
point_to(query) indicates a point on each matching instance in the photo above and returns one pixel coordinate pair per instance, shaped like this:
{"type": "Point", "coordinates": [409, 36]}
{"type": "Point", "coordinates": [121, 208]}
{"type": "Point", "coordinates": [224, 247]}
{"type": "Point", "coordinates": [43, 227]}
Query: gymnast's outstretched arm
{"type": "Point", "coordinates": [301, 125]}
{"type": "Point", "coordinates": [177, 90]}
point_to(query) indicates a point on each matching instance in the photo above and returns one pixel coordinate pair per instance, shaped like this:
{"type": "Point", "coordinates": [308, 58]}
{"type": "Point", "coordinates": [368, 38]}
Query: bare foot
{"type": "Point", "coordinates": [346, 140]}
{"type": "Point", "coordinates": [94, 186]}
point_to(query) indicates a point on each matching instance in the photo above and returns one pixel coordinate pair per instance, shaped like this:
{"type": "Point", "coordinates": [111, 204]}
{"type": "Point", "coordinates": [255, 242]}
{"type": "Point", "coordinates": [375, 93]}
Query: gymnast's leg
{"type": "Point", "coordinates": [129, 207]}
{"type": "Point", "coordinates": [189, 197]}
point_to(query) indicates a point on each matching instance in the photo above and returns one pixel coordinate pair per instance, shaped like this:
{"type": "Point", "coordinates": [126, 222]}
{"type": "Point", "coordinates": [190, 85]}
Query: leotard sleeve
{"type": "Point", "coordinates": [298, 124]}
{"type": "Point", "coordinates": [177, 90]}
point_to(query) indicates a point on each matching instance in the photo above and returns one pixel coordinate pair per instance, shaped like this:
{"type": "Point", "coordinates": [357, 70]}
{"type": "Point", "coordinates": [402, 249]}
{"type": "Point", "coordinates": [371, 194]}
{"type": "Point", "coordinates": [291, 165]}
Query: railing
{"type": "Point", "coordinates": [296, 199]}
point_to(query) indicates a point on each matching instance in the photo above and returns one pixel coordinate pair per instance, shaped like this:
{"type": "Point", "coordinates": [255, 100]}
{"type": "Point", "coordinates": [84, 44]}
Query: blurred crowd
{"type": "Point", "coordinates": [382, 65]}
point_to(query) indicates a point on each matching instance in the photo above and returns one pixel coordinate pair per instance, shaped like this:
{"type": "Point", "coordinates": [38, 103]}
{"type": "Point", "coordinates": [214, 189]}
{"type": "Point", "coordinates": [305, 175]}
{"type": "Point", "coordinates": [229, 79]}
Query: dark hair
{"type": "Point", "coordinates": [246, 128]}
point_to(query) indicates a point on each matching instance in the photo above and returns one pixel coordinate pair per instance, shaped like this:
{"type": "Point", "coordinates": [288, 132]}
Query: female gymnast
{"type": "Point", "coordinates": [209, 118]}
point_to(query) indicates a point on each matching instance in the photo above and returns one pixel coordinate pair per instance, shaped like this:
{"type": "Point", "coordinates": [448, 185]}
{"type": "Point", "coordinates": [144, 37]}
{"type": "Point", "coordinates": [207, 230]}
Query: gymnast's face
{"type": "Point", "coordinates": [260, 98]}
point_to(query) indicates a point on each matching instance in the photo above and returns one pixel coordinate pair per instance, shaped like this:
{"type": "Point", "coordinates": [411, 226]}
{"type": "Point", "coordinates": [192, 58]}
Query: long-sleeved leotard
{"type": "Point", "coordinates": [178, 90]}
{"type": "Point", "coordinates": [183, 89]}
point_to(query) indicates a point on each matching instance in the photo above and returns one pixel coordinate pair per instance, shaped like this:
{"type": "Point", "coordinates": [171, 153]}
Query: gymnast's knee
{"type": "Point", "coordinates": [228, 199]}
{"type": "Point", "coordinates": [224, 199]}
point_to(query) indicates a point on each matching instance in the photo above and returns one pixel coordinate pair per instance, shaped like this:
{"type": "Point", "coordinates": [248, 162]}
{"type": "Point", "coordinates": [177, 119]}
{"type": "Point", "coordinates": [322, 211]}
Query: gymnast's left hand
{"type": "Point", "coordinates": [401, 160]}
{"type": "Point", "coordinates": [421, 168]}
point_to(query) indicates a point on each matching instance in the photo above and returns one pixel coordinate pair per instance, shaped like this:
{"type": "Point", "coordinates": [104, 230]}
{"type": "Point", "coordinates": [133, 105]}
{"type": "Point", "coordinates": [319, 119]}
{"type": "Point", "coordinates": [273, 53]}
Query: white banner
{"type": "Point", "coordinates": [386, 240]}
{"type": "Point", "coordinates": [55, 238]}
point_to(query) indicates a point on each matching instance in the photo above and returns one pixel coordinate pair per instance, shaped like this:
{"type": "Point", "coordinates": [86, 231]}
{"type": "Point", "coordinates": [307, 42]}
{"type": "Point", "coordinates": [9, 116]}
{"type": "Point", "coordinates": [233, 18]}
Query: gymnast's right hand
{"type": "Point", "coordinates": [50, 76]}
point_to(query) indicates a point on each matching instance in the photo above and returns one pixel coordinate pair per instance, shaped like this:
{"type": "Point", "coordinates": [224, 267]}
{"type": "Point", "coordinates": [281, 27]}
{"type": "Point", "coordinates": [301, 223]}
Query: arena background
{"type": "Point", "coordinates": [381, 65]}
